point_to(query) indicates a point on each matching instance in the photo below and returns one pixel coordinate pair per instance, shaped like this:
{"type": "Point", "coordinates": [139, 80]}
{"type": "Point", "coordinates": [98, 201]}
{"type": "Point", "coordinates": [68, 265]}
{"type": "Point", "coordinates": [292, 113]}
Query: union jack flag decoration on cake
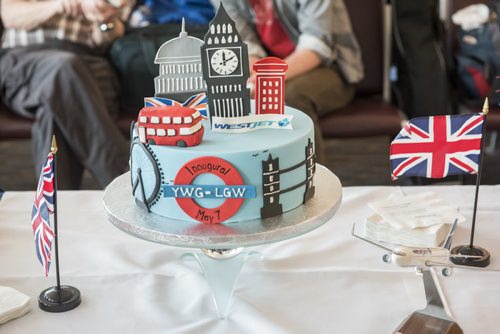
{"type": "Point", "coordinates": [198, 102]}
{"type": "Point", "coordinates": [438, 146]}
{"type": "Point", "coordinates": [42, 207]}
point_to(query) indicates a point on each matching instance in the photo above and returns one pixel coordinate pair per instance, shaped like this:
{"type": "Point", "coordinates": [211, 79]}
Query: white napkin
{"type": "Point", "coordinates": [413, 211]}
{"type": "Point", "coordinates": [471, 17]}
{"type": "Point", "coordinates": [377, 229]}
{"type": "Point", "coordinates": [13, 304]}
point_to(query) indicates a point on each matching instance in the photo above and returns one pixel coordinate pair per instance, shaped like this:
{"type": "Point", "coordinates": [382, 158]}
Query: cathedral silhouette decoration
{"type": "Point", "coordinates": [180, 68]}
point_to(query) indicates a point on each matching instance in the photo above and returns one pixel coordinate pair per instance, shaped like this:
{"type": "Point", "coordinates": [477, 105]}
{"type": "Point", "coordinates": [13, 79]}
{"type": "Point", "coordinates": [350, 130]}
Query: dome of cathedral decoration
{"type": "Point", "coordinates": [180, 67]}
{"type": "Point", "coordinates": [184, 46]}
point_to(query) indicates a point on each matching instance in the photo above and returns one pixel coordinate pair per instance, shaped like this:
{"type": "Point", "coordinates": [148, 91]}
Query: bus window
{"type": "Point", "coordinates": [177, 120]}
{"type": "Point", "coordinates": [171, 132]}
{"type": "Point", "coordinates": [143, 119]}
{"type": "Point", "coordinates": [166, 120]}
{"type": "Point", "coordinates": [161, 132]}
{"type": "Point", "coordinates": [189, 131]}
{"type": "Point", "coordinates": [150, 131]}
{"type": "Point", "coordinates": [142, 134]}
{"type": "Point", "coordinates": [155, 120]}
{"type": "Point", "coordinates": [188, 120]}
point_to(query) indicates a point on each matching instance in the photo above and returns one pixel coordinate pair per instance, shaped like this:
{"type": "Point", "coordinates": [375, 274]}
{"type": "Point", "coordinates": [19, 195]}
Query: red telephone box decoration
{"type": "Point", "coordinates": [270, 85]}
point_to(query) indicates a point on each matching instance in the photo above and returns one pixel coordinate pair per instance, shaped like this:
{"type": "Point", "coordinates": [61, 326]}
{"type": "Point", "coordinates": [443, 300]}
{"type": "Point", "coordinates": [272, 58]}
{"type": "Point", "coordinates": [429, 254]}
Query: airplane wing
{"type": "Point", "coordinates": [370, 241]}
{"type": "Point", "coordinates": [451, 265]}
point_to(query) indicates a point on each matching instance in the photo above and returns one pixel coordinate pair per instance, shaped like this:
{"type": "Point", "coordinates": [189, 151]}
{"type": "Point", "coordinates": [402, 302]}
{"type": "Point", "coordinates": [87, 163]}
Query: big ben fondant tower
{"type": "Point", "coordinates": [224, 59]}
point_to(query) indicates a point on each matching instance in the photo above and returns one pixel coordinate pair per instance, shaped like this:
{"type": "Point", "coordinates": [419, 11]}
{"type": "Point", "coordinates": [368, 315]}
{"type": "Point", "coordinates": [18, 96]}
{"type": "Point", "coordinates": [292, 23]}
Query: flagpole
{"type": "Point", "coordinates": [470, 249]}
{"type": "Point", "coordinates": [53, 149]}
{"type": "Point", "coordinates": [485, 111]}
{"type": "Point", "coordinates": [59, 298]}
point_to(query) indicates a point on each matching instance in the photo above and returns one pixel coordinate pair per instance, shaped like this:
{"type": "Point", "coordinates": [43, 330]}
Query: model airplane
{"type": "Point", "coordinates": [423, 257]}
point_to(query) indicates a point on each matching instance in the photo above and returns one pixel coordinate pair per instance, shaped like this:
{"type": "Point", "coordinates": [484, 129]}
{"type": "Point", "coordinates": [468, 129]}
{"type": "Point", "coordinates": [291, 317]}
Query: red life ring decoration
{"type": "Point", "coordinates": [234, 191]}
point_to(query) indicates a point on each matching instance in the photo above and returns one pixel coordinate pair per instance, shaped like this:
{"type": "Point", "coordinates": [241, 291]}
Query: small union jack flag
{"type": "Point", "coordinates": [42, 207]}
{"type": "Point", "coordinates": [198, 102]}
{"type": "Point", "coordinates": [160, 102]}
{"type": "Point", "coordinates": [437, 146]}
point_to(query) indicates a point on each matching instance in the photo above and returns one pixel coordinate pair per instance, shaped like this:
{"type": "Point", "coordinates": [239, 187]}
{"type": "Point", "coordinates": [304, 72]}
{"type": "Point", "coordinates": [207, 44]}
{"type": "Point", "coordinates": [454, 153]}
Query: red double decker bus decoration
{"type": "Point", "coordinates": [170, 125]}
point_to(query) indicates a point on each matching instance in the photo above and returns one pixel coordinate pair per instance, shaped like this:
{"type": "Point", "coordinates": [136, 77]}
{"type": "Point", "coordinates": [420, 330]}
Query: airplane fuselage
{"type": "Point", "coordinates": [418, 256]}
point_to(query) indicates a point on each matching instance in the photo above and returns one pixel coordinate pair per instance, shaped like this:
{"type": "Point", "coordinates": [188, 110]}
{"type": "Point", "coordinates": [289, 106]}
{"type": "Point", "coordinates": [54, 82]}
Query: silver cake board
{"type": "Point", "coordinates": [222, 244]}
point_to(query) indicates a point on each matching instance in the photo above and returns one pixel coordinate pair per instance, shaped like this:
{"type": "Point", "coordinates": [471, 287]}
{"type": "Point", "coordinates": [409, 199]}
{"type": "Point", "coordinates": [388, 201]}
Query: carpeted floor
{"type": "Point", "coordinates": [357, 162]}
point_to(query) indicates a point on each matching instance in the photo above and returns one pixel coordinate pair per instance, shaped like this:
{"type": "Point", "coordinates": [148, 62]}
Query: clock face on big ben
{"type": "Point", "coordinates": [224, 62]}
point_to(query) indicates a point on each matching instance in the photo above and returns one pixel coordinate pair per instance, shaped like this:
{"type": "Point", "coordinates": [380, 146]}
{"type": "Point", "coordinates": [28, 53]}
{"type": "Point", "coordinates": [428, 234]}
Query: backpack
{"type": "Point", "coordinates": [478, 60]}
{"type": "Point", "coordinates": [420, 82]}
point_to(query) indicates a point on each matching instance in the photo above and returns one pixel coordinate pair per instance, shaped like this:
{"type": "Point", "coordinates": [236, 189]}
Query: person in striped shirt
{"type": "Point", "coordinates": [54, 70]}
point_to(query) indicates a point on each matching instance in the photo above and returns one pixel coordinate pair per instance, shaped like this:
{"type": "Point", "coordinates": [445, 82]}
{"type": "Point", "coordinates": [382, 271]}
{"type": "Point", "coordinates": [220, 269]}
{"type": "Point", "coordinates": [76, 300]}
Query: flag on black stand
{"type": "Point", "coordinates": [59, 298]}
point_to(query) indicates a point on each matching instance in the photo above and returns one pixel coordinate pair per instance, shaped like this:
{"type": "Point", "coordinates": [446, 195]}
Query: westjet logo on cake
{"type": "Point", "coordinates": [251, 123]}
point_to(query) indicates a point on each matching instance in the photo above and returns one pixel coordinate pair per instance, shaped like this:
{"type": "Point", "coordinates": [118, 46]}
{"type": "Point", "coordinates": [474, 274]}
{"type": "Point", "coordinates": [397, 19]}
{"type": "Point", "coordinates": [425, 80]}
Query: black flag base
{"type": "Point", "coordinates": [482, 261]}
{"type": "Point", "coordinates": [59, 299]}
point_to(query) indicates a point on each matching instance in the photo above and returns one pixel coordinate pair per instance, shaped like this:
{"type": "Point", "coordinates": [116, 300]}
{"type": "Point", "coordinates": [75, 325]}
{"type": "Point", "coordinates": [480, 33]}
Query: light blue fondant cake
{"type": "Point", "coordinates": [228, 177]}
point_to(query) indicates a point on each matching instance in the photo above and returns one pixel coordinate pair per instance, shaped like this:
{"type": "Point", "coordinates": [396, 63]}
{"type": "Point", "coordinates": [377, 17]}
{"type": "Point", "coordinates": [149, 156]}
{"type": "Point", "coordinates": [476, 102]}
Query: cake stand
{"type": "Point", "coordinates": [221, 257]}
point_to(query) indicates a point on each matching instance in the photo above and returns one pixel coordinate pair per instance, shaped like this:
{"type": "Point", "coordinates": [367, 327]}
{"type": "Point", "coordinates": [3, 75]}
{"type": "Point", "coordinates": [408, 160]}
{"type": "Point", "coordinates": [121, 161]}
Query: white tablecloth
{"type": "Point", "coordinates": [323, 282]}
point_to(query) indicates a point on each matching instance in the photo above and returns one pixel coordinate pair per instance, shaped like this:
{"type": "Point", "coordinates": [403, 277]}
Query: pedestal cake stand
{"type": "Point", "coordinates": [222, 257]}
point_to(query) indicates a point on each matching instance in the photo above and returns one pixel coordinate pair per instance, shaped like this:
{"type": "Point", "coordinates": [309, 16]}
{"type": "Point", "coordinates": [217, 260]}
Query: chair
{"type": "Point", "coordinates": [13, 126]}
{"type": "Point", "coordinates": [370, 113]}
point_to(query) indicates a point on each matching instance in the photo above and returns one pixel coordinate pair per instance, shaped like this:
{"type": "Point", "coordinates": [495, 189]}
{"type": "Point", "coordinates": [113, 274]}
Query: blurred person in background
{"type": "Point", "coordinates": [54, 71]}
{"type": "Point", "coordinates": [315, 38]}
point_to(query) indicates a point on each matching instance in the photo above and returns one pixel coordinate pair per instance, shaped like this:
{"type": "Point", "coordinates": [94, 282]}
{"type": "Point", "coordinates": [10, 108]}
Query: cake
{"type": "Point", "coordinates": [272, 170]}
{"type": "Point", "coordinates": [219, 157]}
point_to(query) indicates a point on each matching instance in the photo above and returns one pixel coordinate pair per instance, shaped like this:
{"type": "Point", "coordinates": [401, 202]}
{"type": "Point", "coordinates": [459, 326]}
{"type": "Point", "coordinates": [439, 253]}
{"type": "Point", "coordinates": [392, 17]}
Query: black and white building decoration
{"type": "Point", "coordinates": [225, 68]}
{"type": "Point", "coordinates": [271, 186]}
{"type": "Point", "coordinates": [180, 68]}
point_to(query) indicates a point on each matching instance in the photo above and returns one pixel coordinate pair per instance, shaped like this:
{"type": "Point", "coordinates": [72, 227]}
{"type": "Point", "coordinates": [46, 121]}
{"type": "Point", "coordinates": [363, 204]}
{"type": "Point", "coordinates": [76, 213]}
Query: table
{"type": "Point", "coordinates": [322, 282]}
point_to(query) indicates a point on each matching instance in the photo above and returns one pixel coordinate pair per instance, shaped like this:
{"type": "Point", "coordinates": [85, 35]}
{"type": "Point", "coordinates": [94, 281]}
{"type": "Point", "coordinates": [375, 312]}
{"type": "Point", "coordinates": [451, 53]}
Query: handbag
{"type": "Point", "coordinates": [133, 57]}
